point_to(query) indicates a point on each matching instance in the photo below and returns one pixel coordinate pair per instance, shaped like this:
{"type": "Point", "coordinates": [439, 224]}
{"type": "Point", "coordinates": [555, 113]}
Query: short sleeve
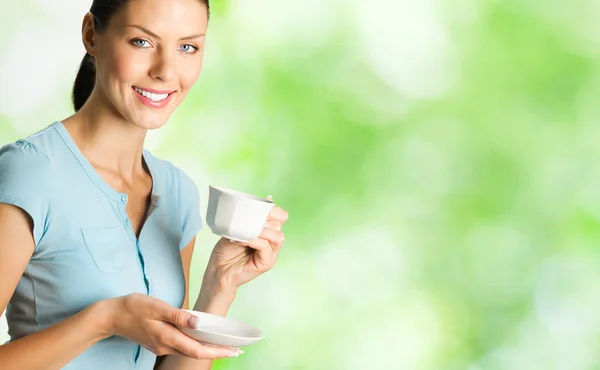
{"type": "Point", "coordinates": [24, 177]}
{"type": "Point", "coordinates": [189, 207]}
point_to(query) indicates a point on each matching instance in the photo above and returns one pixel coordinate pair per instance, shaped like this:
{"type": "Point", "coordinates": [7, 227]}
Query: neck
{"type": "Point", "coordinates": [106, 138]}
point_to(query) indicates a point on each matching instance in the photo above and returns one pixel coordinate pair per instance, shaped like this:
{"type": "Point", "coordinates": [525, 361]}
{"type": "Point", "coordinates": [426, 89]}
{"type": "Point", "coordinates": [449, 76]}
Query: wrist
{"type": "Point", "coordinates": [103, 316]}
{"type": "Point", "coordinates": [214, 304]}
{"type": "Point", "coordinates": [215, 282]}
{"type": "Point", "coordinates": [214, 299]}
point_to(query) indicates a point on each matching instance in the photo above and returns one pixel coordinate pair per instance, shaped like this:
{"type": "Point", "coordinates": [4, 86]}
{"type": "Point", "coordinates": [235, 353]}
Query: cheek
{"type": "Point", "coordinates": [189, 73]}
{"type": "Point", "coordinates": [127, 66]}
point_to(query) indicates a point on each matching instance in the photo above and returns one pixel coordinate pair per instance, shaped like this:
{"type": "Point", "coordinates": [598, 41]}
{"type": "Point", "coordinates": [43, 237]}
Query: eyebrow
{"type": "Point", "coordinates": [158, 37]}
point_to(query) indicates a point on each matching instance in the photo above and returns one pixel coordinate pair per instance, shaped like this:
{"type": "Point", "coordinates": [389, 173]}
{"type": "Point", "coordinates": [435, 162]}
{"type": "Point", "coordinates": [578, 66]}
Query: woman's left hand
{"type": "Point", "coordinates": [235, 263]}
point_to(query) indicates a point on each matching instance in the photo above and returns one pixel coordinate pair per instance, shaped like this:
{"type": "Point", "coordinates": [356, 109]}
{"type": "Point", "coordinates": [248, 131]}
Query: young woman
{"type": "Point", "coordinates": [97, 234]}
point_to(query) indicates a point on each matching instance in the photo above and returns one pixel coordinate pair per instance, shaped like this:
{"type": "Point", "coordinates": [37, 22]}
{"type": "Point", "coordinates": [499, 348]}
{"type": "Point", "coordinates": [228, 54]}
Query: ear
{"type": "Point", "coordinates": [88, 33]}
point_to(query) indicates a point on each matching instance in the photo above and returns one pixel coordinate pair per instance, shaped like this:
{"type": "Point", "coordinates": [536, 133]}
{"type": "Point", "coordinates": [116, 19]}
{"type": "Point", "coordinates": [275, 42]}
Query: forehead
{"type": "Point", "coordinates": [164, 17]}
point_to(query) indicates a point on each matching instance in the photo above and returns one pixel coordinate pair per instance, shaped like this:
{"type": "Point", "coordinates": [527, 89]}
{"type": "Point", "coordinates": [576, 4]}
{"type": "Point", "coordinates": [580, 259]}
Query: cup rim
{"type": "Point", "coordinates": [238, 193]}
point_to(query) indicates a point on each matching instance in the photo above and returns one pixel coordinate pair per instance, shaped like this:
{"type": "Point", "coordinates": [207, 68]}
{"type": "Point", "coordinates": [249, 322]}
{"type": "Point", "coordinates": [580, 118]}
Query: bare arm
{"type": "Point", "coordinates": [209, 301]}
{"type": "Point", "coordinates": [53, 347]}
{"type": "Point", "coordinates": [231, 265]}
{"type": "Point", "coordinates": [140, 318]}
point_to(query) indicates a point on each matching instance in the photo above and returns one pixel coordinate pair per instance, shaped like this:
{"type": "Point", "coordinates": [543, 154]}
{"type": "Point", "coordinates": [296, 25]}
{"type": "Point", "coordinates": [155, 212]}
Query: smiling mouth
{"type": "Point", "coordinates": [155, 97]}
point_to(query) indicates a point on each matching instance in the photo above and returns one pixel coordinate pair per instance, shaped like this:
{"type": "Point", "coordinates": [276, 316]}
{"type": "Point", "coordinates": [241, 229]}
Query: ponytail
{"type": "Point", "coordinates": [84, 82]}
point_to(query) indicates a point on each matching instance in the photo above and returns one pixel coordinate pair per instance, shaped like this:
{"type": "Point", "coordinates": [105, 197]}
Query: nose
{"type": "Point", "coordinates": [164, 67]}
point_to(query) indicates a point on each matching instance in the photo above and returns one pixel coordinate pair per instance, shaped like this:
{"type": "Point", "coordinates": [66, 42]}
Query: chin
{"type": "Point", "coordinates": [150, 123]}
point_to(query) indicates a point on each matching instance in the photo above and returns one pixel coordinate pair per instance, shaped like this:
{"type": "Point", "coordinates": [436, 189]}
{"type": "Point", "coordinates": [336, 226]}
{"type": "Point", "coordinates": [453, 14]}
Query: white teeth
{"type": "Point", "coordinates": [151, 96]}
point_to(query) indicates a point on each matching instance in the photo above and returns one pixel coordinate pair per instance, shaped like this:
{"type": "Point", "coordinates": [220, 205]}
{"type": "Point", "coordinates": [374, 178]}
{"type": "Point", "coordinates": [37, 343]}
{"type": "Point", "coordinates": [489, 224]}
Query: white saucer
{"type": "Point", "coordinates": [221, 331]}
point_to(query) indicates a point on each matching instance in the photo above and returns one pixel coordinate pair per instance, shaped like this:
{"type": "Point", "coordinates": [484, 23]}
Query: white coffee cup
{"type": "Point", "coordinates": [235, 215]}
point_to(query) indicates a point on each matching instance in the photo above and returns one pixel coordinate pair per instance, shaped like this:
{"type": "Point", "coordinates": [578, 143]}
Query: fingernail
{"type": "Point", "coordinates": [233, 354]}
{"type": "Point", "coordinates": [269, 197]}
{"type": "Point", "coordinates": [192, 322]}
{"type": "Point", "coordinates": [240, 351]}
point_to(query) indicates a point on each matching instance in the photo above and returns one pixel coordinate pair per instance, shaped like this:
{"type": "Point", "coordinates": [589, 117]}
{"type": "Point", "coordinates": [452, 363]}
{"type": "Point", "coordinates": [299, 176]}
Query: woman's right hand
{"type": "Point", "coordinates": [152, 323]}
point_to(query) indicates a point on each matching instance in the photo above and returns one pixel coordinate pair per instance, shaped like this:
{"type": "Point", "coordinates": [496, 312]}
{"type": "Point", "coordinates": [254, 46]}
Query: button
{"type": "Point", "coordinates": [128, 222]}
{"type": "Point", "coordinates": [124, 198]}
{"type": "Point", "coordinates": [20, 142]}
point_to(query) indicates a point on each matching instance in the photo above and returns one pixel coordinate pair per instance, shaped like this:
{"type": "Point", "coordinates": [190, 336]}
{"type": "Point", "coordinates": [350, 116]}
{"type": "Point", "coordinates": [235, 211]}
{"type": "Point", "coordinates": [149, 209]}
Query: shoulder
{"type": "Point", "coordinates": [23, 156]}
{"type": "Point", "coordinates": [28, 162]}
{"type": "Point", "coordinates": [26, 181]}
{"type": "Point", "coordinates": [34, 150]}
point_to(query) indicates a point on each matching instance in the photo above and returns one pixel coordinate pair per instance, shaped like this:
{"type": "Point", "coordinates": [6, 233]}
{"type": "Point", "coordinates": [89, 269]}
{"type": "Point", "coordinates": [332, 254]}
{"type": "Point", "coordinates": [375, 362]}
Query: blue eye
{"type": "Point", "coordinates": [189, 49]}
{"type": "Point", "coordinates": [139, 43]}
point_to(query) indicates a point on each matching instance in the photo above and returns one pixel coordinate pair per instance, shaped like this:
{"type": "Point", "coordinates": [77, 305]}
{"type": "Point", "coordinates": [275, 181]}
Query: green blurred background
{"type": "Point", "coordinates": [439, 160]}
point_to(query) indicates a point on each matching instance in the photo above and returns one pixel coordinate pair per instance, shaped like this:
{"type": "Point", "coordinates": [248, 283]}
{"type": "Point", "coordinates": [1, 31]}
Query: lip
{"type": "Point", "coordinates": [150, 103]}
{"type": "Point", "coordinates": [156, 91]}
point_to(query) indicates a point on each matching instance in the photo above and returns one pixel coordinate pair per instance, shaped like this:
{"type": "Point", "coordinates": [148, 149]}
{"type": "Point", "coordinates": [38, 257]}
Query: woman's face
{"type": "Point", "coordinates": [149, 56]}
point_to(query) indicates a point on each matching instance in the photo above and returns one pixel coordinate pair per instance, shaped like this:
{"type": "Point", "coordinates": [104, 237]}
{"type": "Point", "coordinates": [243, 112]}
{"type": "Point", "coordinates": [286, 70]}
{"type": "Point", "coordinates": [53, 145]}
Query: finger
{"type": "Point", "coordinates": [189, 347]}
{"type": "Point", "coordinates": [278, 214]}
{"type": "Point", "coordinates": [213, 353]}
{"type": "Point", "coordinates": [275, 225]}
{"type": "Point", "coordinates": [260, 245]}
{"type": "Point", "coordinates": [265, 254]}
{"type": "Point", "coordinates": [180, 318]}
{"type": "Point", "coordinates": [180, 354]}
{"type": "Point", "coordinates": [276, 238]}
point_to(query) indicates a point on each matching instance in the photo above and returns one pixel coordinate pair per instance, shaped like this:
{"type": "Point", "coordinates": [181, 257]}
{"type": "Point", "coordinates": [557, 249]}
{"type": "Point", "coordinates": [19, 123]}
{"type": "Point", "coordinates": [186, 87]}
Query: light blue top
{"type": "Point", "coordinates": [85, 247]}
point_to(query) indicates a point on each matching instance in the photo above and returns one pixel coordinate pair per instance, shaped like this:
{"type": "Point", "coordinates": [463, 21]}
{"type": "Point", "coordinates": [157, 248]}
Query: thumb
{"type": "Point", "coordinates": [184, 319]}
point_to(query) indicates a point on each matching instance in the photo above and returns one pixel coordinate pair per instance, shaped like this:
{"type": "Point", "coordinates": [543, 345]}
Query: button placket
{"type": "Point", "coordinates": [144, 268]}
{"type": "Point", "coordinates": [122, 206]}
{"type": "Point", "coordinates": [149, 280]}
{"type": "Point", "coordinates": [124, 199]}
{"type": "Point", "coordinates": [122, 203]}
